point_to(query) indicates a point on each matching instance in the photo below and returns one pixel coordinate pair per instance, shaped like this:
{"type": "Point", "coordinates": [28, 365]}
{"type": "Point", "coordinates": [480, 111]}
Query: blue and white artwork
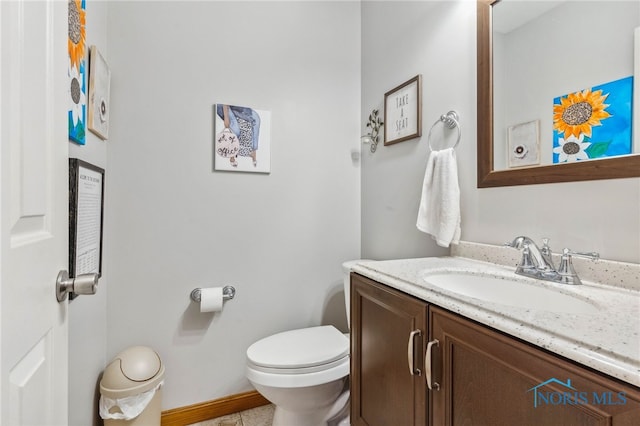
{"type": "Point", "coordinates": [77, 113]}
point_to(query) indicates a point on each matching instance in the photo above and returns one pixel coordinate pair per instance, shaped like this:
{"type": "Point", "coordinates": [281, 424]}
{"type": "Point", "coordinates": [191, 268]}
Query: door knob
{"type": "Point", "coordinates": [82, 284]}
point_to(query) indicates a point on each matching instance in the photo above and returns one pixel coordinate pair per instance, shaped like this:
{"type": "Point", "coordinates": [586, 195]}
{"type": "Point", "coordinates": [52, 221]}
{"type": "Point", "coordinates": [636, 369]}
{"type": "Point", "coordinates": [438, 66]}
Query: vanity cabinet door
{"type": "Point", "coordinates": [488, 378]}
{"type": "Point", "coordinates": [383, 390]}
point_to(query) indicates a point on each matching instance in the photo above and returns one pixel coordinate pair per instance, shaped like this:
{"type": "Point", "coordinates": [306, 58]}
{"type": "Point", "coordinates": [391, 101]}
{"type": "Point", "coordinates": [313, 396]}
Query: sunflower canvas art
{"type": "Point", "coordinates": [77, 72]}
{"type": "Point", "coordinates": [593, 123]}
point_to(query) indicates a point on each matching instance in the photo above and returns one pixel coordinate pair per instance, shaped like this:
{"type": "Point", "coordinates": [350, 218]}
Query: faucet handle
{"type": "Point", "coordinates": [545, 244]}
{"type": "Point", "coordinates": [566, 270]}
{"type": "Point", "coordinates": [546, 250]}
{"type": "Point", "coordinates": [590, 255]}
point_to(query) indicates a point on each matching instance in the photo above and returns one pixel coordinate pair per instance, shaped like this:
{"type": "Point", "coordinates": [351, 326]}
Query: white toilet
{"type": "Point", "coordinates": [304, 372]}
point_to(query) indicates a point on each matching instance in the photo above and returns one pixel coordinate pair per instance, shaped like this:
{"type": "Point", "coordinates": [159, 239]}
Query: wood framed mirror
{"type": "Point", "coordinates": [610, 168]}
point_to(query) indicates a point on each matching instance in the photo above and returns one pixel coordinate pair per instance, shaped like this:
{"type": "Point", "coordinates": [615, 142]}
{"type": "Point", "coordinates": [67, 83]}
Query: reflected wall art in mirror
{"type": "Point", "coordinates": [556, 100]}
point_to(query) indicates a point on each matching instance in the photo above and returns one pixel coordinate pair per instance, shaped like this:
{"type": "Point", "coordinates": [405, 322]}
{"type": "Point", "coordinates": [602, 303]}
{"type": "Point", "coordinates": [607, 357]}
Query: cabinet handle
{"type": "Point", "coordinates": [427, 365]}
{"type": "Point", "coordinates": [410, 352]}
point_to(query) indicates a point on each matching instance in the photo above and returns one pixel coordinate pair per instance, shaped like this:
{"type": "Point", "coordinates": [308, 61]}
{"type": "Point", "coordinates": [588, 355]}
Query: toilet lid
{"type": "Point", "coordinates": [306, 347]}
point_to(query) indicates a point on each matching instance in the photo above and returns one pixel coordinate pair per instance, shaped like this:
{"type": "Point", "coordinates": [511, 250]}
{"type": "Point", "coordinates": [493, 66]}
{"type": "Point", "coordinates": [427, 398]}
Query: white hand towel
{"type": "Point", "coordinates": [439, 213]}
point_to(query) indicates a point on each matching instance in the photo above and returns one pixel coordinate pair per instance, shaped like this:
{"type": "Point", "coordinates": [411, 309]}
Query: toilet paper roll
{"type": "Point", "coordinates": [211, 299]}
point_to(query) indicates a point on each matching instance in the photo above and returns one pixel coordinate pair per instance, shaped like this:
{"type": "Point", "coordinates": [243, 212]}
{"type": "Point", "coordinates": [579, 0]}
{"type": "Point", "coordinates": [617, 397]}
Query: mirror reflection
{"type": "Point", "coordinates": [563, 81]}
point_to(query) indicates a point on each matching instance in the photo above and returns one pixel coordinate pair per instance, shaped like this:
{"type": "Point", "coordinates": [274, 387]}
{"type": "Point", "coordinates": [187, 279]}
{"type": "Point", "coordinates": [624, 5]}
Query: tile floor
{"type": "Point", "coordinates": [261, 416]}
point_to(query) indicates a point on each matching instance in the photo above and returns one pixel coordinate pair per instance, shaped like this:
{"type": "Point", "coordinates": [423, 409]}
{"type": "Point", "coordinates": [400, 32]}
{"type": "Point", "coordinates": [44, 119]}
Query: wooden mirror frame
{"type": "Point", "coordinates": [611, 168]}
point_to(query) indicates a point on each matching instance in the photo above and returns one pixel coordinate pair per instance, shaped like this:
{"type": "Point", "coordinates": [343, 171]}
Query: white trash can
{"type": "Point", "coordinates": [131, 388]}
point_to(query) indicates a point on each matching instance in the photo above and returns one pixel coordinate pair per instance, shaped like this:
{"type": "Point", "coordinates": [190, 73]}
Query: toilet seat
{"type": "Point", "coordinates": [299, 370]}
{"type": "Point", "coordinates": [302, 348]}
{"type": "Point", "coordinates": [297, 358]}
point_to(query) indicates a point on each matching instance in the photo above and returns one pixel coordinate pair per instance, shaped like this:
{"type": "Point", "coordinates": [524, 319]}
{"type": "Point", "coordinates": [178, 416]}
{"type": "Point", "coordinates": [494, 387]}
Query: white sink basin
{"type": "Point", "coordinates": [506, 291]}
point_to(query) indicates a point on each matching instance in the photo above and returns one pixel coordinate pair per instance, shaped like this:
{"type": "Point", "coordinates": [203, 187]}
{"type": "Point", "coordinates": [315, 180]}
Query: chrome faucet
{"type": "Point", "coordinates": [538, 263]}
{"type": "Point", "coordinates": [532, 256]}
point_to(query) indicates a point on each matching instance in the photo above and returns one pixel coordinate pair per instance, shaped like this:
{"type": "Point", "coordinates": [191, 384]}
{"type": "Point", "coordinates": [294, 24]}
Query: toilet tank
{"type": "Point", "coordinates": [346, 268]}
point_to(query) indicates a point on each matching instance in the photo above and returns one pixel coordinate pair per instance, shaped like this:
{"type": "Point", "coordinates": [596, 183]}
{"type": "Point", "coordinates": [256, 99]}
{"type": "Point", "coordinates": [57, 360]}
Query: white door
{"type": "Point", "coordinates": [33, 212]}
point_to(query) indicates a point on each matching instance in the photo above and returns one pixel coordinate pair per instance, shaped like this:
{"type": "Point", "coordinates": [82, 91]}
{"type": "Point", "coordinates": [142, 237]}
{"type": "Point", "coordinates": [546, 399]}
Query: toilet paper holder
{"type": "Point", "coordinates": [228, 293]}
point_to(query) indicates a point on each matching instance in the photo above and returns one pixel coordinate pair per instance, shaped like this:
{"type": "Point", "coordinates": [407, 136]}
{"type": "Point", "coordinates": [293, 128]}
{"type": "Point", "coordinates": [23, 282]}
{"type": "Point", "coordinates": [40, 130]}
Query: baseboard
{"type": "Point", "coordinates": [208, 410]}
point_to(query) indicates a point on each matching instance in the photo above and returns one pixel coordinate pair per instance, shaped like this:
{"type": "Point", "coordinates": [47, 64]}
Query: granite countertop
{"type": "Point", "coordinates": [607, 340]}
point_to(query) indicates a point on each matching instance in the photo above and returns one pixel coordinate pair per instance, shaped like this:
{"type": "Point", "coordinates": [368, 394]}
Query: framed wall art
{"type": "Point", "coordinates": [76, 116]}
{"type": "Point", "coordinates": [242, 139]}
{"type": "Point", "coordinates": [86, 199]}
{"type": "Point", "coordinates": [403, 111]}
{"type": "Point", "coordinates": [523, 144]}
{"type": "Point", "coordinates": [593, 123]}
{"type": "Point", "coordinates": [99, 86]}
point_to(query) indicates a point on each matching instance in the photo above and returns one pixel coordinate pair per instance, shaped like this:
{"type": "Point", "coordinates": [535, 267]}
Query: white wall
{"type": "Point", "coordinates": [88, 314]}
{"type": "Point", "coordinates": [176, 225]}
{"type": "Point", "coordinates": [437, 39]}
{"type": "Point", "coordinates": [399, 41]}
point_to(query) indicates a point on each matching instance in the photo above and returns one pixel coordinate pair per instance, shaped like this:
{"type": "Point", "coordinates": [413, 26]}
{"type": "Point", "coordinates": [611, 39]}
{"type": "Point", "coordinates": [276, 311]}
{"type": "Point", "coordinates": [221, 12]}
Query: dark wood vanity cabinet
{"type": "Point", "coordinates": [383, 390]}
{"type": "Point", "coordinates": [485, 377]}
{"type": "Point", "coordinates": [489, 378]}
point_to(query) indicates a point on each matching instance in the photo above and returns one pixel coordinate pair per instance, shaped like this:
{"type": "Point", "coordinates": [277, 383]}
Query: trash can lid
{"type": "Point", "coordinates": [139, 363]}
{"type": "Point", "coordinates": [132, 371]}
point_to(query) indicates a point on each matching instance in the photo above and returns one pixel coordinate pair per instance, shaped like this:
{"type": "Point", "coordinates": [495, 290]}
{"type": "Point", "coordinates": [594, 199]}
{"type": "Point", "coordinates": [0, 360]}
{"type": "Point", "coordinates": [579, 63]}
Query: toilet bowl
{"type": "Point", "coordinates": [304, 372]}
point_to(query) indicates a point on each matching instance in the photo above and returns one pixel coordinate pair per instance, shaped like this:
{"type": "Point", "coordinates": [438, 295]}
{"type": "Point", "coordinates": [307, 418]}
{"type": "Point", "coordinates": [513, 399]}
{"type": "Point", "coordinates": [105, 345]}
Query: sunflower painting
{"type": "Point", "coordinates": [593, 123]}
{"type": "Point", "coordinates": [77, 71]}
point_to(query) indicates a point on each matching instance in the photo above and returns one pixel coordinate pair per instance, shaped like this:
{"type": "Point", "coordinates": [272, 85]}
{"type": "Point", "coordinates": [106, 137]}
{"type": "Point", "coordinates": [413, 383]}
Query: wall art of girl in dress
{"type": "Point", "coordinates": [241, 139]}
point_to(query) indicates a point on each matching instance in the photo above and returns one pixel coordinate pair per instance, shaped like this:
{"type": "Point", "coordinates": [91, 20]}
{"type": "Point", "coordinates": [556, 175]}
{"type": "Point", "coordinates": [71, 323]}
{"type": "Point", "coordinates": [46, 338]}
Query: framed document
{"type": "Point", "coordinates": [86, 199]}
{"type": "Point", "coordinates": [403, 112]}
{"type": "Point", "coordinates": [523, 144]}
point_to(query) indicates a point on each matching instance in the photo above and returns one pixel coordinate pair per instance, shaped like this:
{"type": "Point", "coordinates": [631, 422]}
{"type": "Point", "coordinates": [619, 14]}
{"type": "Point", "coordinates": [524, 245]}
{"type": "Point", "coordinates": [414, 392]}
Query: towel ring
{"type": "Point", "coordinates": [450, 120]}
